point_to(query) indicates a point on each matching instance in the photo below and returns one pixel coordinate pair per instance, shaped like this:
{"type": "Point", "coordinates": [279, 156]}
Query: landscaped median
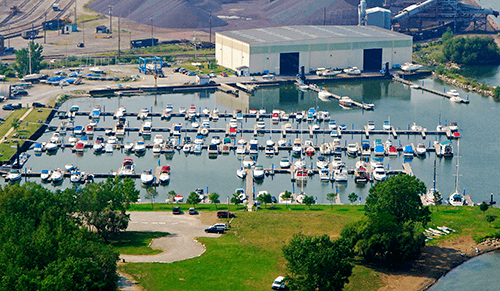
{"type": "Point", "coordinates": [249, 256]}
{"type": "Point", "coordinates": [23, 129]}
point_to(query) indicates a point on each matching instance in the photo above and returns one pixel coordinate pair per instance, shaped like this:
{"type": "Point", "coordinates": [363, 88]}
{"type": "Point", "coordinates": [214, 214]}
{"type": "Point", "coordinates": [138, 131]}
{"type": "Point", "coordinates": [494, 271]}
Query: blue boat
{"type": "Point", "coordinates": [78, 129]}
{"type": "Point", "coordinates": [379, 150]}
{"type": "Point", "coordinates": [408, 151]}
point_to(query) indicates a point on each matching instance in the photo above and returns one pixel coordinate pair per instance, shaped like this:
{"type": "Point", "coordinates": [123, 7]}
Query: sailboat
{"type": "Point", "coordinates": [429, 196]}
{"type": "Point", "coordinates": [456, 199]}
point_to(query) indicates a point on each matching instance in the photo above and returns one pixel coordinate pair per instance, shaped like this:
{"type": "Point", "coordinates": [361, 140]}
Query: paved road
{"type": "Point", "coordinates": [179, 245]}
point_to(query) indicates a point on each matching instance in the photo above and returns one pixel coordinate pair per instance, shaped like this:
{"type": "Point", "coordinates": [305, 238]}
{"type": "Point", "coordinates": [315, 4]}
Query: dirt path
{"type": "Point", "coordinates": [179, 245]}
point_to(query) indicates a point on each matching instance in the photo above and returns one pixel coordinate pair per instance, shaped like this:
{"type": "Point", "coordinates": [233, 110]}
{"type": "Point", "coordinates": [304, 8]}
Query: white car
{"type": "Point", "coordinates": [279, 283]}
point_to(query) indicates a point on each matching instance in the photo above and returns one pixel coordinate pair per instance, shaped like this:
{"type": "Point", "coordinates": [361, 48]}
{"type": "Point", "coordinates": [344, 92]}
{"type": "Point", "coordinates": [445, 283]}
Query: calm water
{"type": "Point", "coordinates": [477, 122]}
{"type": "Point", "coordinates": [479, 273]}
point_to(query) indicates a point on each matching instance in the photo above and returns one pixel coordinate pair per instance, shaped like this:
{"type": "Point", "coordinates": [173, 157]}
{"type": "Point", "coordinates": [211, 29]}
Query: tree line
{"type": "Point", "coordinates": [470, 50]}
{"type": "Point", "coordinates": [57, 240]}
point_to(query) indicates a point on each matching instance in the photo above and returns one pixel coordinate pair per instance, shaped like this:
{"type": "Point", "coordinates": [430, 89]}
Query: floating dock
{"type": "Point", "coordinates": [430, 90]}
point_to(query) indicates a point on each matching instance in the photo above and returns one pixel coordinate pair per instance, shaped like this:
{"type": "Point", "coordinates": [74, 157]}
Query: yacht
{"type": "Point", "coordinates": [119, 129]}
{"type": "Point", "coordinates": [127, 169]}
{"type": "Point", "coordinates": [410, 67]}
{"type": "Point", "coordinates": [258, 172]}
{"type": "Point", "coordinates": [248, 162]}
{"type": "Point", "coordinates": [352, 150]}
{"type": "Point", "coordinates": [360, 174]}
{"type": "Point", "coordinates": [45, 175]}
{"type": "Point", "coordinates": [76, 176]}
{"type": "Point", "coordinates": [143, 114]}
{"type": "Point", "coordinates": [340, 174]}
{"type": "Point", "coordinates": [139, 146]}
{"type": "Point", "coordinates": [241, 173]}
{"type": "Point", "coordinates": [352, 71]}
{"type": "Point", "coordinates": [297, 147]}
{"type": "Point", "coordinates": [96, 112]}
{"type": "Point", "coordinates": [56, 176]}
{"type": "Point", "coordinates": [371, 125]}
{"type": "Point", "coordinates": [14, 176]}
{"type": "Point", "coordinates": [145, 128]}
{"type": "Point", "coordinates": [456, 198]}
{"type": "Point", "coordinates": [379, 174]}
{"type": "Point", "coordinates": [421, 149]}
{"type": "Point", "coordinates": [285, 163]}
{"type": "Point", "coordinates": [120, 113]}
{"type": "Point", "coordinates": [321, 162]}
{"type": "Point", "coordinates": [147, 177]}
{"type": "Point", "coordinates": [158, 139]}
{"type": "Point", "coordinates": [445, 149]}
{"type": "Point", "coordinates": [164, 175]}
{"type": "Point", "coordinates": [324, 175]}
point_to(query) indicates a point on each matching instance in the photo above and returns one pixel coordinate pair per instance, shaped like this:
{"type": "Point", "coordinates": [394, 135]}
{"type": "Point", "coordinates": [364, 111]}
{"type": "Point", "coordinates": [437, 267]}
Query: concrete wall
{"type": "Point", "coordinates": [344, 53]}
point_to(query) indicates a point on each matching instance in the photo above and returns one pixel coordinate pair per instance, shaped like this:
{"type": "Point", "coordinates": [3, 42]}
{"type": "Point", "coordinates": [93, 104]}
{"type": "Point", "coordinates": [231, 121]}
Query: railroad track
{"type": "Point", "coordinates": [37, 22]}
{"type": "Point", "coordinates": [19, 7]}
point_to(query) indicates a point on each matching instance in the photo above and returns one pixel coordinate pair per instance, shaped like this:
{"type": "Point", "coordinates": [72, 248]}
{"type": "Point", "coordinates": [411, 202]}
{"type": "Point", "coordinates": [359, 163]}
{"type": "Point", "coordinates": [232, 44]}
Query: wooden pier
{"type": "Point", "coordinates": [430, 90]}
{"type": "Point", "coordinates": [365, 106]}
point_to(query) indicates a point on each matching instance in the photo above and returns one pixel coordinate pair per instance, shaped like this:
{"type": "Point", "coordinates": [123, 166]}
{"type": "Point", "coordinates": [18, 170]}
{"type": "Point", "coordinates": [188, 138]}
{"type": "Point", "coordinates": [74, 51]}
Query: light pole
{"type": "Point", "coordinates": [194, 41]}
{"type": "Point", "coordinates": [110, 18]}
{"type": "Point", "coordinates": [152, 39]}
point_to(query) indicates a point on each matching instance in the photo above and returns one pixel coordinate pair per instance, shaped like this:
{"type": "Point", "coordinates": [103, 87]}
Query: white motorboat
{"type": "Point", "coordinates": [178, 198]}
{"type": "Point", "coordinates": [352, 71]}
{"type": "Point", "coordinates": [261, 124]}
{"type": "Point", "coordinates": [56, 176]}
{"type": "Point", "coordinates": [360, 173]}
{"type": "Point", "coordinates": [112, 140]}
{"type": "Point", "coordinates": [139, 146]}
{"type": "Point", "coordinates": [128, 147]}
{"type": "Point", "coordinates": [120, 113]}
{"type": "Point", "coordinates": [108, 148]}
{"type": "Point", "coordinates": [51, 147]}
{"type": "Point", "coordinates": [371, 125]}
{"type": "Point", "coordinates": [76, 176]}
{"type": "Point", "coordinates": [340, 174]}
{"type": "Point", "coordinates": [445, 149]}
{"type": "Point", "coordinates": [158, 139]}
{"type": "Point", "coordinates": [157, 148]}
{"type": "Point", "coordinates": [182, 110]}
{"type": "Point", "coordinates": [98, 146]}
{"type": "Point", "coordinates": [345, 101]}
{"type": "Point", "coordinates": [248, 162]}
{"type": "Point", "coordinates": [233, 123]}
{"type": "Point", "coordinates": [387, 125]}
{"type": "Point", "coordinates": [324, 175]}
{"type": "Point", "coordinates": [453, 92]}
{"type": "Point", "coordinates": [69, 167]}
{"type": "Point", "coordinates": [285, 163]}
{"type": "Point", "coordinates": [206, 111]}
{"type": "Point", "coordinates": [215, 140]}
{"type": "Point", "coordinates": [282, 142]}
{"type": "Point", "coordinates": [379, 174]}
{"type": "Point", "coordinates": [205, 123]}
{"type": "Point", "coordinates": [169, 108]}
{"type": "Point", "coordinates": [332, 125]}
{"type": "Point", "coordinates": [147, 177]}
{"type": "Point", "coordinates": [410, 67]}
{"type": "Point", "coordinates": [241, 173]}
{"type": "Point", "coordinates": [96, 112]}
{"type": "Point", "coordinates": [258, 172]}
{"type": "Point", "coordinates": [127, 169]}
{"type": "Point", "coordinates": [455, 99]}
{"type": "Point", "coordinates": [186, 148]}
{"type": "Point", "coordinates": [297, 147]}
{"type": "Point", "coordinates": [421, 149]}
{"type": "Point", "coordinates": [146, 128]}
{"type": "Point", "coordinates": [204, 131]}
{"type": "Point", "coordinates": [164, 174]}
{"type": "Point", "coordinates": [195, 124]}
{"type": "Point", "coordinates": [299, 163]}
{"type": "Point", "coordinates": [45, 175]}
{"type": "Point", "coordinates": [300, 197]}
{"type": "Point", "coordinates": [192, 111]}
{"type": "Point", "coordinates": [331, 73]}
{"type": "Point", "coordinates": [321, 162]}
{"type": "Point", "coordinates": [241, 149]}
{"type": "Point", "coordinates": [14, 176]}
{"type": "Point", "coordinates": [143, 114]}
{"type": "Point", "coordinates": [352, 149]}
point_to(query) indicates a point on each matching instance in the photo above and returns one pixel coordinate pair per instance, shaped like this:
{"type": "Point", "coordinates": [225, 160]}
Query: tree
{"type": "Point", "coordinates": [483, 206]}
{"type": "Point", "coordinates": [15, 123]}
{"type": "Point", "coordinates": [394, 217]}
{"type": "Point", "coordinates": [236, 198]}
{"type": "Point", "coordinates": [331, 197]}
{"type": "Point", "coordinates": [471, 50]}
{"type": "Point", "coordinates": [448, 35]}
{"type": "Point", "coordinates": [151, 194]}
{"type": "Point", "coordinates": [438, 199]}
{"type": "Point", "coordinates": [214, 198]}
{"type": "Point", "coordinates": [490, 218]}
{"type": "Point", "coordinates": [353, 197]}
{"type": "Point", "coordinates": [286, 196]}
{"type": "Point", "coordinates": [265, 198]}
{"type": "Point", "coordinates": [171, 196]}
{"type": "Point", "coordinates": [317, 263]}
{"type": "Point", "coordinates": [23, 59]}
{"type": "Point", "coordinates": [103, 205]}
{"type": "Point", "coordinates": [308, 200]}
{"type": "Point", "coordinates": [46, 249]}
{"type": "Point", "coordinates": [193, 198]}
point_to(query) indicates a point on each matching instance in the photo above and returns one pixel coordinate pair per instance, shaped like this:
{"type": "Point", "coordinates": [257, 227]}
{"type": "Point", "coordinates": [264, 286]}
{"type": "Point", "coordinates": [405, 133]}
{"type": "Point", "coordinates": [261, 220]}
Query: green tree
{"type": "Point", "coordinates": [483, 206]}
{"type": "Point", "coordinates": [193, 199]}
{"type": "Point", "coordinates": [42, 248]}
{"type": "Point", "coordinates": [331, 197]}
{"type": "Point", "coordinates": [317, 263]}
{"type": "Point", "coordinates": [438, 199]}
{"type": "Point", "coordinates": [23, 59]}
{"type": "Point", "coordinates": [286, 196]}
{"type": "Point", "coordinates": [471, 50]}
{"type": "Point", "coordinates": [15, 123]}
{"type": "Point", "coordinates": [102, 206]}
{"type": "Point", "coordinates": [353, 197]}
{"type": "Point", "coordinates": [265, 198]}
{"type": "Point", "coordinates": [448, 35]}
{"type": "Point", "coordinates": [394, 217]}
{"type": "Point", "coordinates": [308, 200]}
{"type": "Point", "coordinates": [214, 198]}
{"type": "Point", "coordinates": [151, 194]}
{"type": "Point", "coordinates": [236, 199]}
{"type": "Point", "coordinates": [171, 196]}
{"type": "Point", "coordinates": [490, 218]}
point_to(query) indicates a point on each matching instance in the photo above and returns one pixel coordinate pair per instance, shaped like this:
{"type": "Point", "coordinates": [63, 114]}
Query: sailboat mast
{"type": "Point", "coordinates": [434, 179]}
{"type": "Point", "coordinates": [458, 158]}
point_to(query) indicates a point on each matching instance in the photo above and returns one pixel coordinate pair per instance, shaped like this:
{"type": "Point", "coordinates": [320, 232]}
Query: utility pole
{"type": "Point", "coordinates": [118, 37]}
{"type": "Point", "coordinates": [152, 39]}
{"type": "Point", "coordinates": [45, 30]}
{"type": "Point", "coordinates": [210, 24]}
{"type": "Point", "coordinates": [83, 30]}
{"type": "Point", "coordinates": [110, 19]}
{"type": "Point", "coordinates": [75, 14]}
{"type": "Point", "coordinates": [324, 16]}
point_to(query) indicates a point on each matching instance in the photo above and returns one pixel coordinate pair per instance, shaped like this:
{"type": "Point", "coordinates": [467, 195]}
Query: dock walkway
{"type": "Point", "coordinates": [430, 90]}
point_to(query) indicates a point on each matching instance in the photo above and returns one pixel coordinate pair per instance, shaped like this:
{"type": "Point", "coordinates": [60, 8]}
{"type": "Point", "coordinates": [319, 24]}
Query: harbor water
{"type": "Point", "coordinates": [479, 273]}
{"type": "Point", "coordinates": [393, 101]}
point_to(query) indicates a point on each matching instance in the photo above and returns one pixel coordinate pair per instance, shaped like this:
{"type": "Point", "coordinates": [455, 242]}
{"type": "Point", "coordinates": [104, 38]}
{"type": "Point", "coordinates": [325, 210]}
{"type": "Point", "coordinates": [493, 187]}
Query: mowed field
{"type": "Point", "coordinates": [249, 257]}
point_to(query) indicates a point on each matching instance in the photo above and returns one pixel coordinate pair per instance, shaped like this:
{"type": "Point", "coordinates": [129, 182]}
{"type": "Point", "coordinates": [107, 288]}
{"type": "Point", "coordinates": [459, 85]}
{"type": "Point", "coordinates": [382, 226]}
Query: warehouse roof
{"type": "Point", "coordinates": [310, 32]}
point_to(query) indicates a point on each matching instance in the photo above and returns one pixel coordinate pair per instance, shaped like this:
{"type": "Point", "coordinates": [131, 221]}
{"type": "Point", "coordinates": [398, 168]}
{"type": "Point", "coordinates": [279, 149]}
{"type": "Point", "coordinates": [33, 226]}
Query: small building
{"type": "Point", "coordinates": [101, 29]}
{"type": "Point", "coordinates": [283, 50]}
{"type": "Point", "coordinates": [67, 28]}
{"type": "Point", "coordinates": [202, 80]}
{"type": "Point", "coordinates": [243, 71]}
{"type": "Point", "coordinates": [379, 17]}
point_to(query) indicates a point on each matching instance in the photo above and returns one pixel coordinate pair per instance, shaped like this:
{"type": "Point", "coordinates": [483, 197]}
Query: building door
{"type": "Point", "coordinates": [372, 60]}
{"type": "Point", "coordinates": [289, 64]}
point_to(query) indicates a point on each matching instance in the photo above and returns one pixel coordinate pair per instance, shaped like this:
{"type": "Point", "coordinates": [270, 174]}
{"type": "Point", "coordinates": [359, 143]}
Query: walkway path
{"type": "Point", "coordinates": [12, 128]}
{"type": "Point", "coordinates": [179, 245]}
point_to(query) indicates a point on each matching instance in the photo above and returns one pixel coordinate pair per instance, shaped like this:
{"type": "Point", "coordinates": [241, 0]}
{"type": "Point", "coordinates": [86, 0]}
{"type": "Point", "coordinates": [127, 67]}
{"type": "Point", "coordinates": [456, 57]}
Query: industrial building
{"type": "Point", "coordinates": [283, 50]}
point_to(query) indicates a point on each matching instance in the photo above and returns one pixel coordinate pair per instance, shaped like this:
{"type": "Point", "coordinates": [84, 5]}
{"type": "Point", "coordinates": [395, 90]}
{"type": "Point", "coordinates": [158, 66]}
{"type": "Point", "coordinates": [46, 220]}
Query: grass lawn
{"type": "Point", "coordinates": [248, 257]}
{"type": "Point", "coordinates": [135, 242]}
{"type": "Point", "coordinates": [8, 149]}
{"type": "Point", "coordinates": [204, 68]}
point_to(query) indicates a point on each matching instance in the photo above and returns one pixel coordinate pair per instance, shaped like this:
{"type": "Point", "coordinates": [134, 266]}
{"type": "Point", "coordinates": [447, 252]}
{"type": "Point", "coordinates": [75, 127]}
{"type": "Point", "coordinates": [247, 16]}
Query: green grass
{"type": "Point", "coordinates": [135, 242]}
{"type": "Point", "coordinates": [248, 256]}
{"type": "Point", "coordinates": [204, 68]}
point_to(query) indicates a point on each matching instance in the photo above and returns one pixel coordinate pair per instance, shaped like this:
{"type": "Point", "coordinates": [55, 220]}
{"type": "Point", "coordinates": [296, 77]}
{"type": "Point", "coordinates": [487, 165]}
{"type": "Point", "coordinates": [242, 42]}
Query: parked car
{"type": "Point", "coordinates": [38, 105]}
{"type": "Point", "coordinates": [214, 229]}
{"type": "Point", "coordinates": [176, 69]}
{"type": "Point", "coordinates": [279, 283]}
{"type": "Point", "coordinates": [225, 214]}
{"type": "Point", "coordinates": [220, 225]}
{"type": "Point", "coordinates": [223, 74]}
{"type": "Point", "coordinates": [19, 93]}
{"type": "Point", "coordinates": [176, 210]}
{"type": "Point", "coordinates": [191, 74]}
{"type": "Point", "coordinates": [11, 106]}
{"type": "Point", "coordinates": [192, 211]}
{"type": "Point", "coordinates": [80, 44]}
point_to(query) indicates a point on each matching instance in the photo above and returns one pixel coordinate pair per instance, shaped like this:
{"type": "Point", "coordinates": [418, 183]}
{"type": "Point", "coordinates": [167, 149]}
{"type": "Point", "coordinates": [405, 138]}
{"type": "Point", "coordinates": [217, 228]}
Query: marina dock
{"type": "Point", "coordinates": [365, 106]}
{"type": "Point", "coordinates": [430, 90]}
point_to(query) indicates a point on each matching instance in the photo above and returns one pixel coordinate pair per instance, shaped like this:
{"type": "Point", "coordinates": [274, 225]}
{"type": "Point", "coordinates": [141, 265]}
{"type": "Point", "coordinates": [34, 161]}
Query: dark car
{"type": "Point", "coordinates": [176, 69]}
{"type": "Point", "coordinates": [38, 105]}
{"type": "Point", "coordinates": [176, 210]}
{"type": "Point", "coordinates": [225, 214]}
{"type": "Point", "coordinates": [80, 44]}
{"type": "Point", "coordinates": [20, 93]}
{"type": "Point", "coordinates": [192, 211]}
{"type": "Point", "coordinates": [8, 107]}
{"type": "Point", "coordinates": [215, 229]}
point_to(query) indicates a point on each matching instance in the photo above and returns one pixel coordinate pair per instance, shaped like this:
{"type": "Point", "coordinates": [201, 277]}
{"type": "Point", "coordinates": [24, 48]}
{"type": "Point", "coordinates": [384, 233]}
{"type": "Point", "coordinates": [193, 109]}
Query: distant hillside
{"type": "Point", "coordinates": [230, 14]}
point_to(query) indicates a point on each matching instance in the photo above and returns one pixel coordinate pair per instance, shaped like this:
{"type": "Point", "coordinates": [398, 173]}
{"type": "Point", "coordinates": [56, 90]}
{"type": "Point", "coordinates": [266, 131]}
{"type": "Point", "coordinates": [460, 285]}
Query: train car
{"type": "Point", "coordinates": [138, 43]}
{"type": "Point", "coordinates": [28, 34]}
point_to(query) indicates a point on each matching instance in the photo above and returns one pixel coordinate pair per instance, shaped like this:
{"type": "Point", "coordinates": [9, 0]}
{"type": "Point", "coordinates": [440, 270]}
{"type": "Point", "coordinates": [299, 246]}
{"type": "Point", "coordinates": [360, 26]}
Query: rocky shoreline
{"type": "Point", "coordinates": [470, 88]}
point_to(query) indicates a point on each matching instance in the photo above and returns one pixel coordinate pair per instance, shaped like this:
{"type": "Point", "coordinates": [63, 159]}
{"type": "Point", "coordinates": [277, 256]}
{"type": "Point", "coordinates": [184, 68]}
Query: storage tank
{"type": "Point", "coordinates": [379, 17]}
